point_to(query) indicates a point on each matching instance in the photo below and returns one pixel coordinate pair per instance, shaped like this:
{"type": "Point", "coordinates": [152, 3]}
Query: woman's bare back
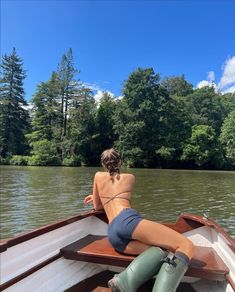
{"type": "Point", "coordinates": [114, 192]}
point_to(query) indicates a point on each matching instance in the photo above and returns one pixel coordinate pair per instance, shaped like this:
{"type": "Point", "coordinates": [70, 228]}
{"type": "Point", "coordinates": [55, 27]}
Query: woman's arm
{"type": "Point", "coordinates": [88, 199]}
{"type": "Point", "coordinates": [95, 195]}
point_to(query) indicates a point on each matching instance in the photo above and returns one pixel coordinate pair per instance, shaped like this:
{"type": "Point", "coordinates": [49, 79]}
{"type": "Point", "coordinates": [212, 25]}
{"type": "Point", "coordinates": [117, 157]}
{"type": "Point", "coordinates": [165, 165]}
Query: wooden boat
{"type": "Point", "coordinates": [75, 255]}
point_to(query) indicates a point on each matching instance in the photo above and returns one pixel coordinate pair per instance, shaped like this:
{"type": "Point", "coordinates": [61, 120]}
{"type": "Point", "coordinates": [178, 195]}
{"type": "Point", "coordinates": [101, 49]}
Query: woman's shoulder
{"type": "Point", "coordinates": [100, 176]}
{"type": "Point", "coordinates": [100, 173]}
{"type": "Point", "coordinates": [124, 174]}
{"type": "Point", "coordinates": [129, 176]}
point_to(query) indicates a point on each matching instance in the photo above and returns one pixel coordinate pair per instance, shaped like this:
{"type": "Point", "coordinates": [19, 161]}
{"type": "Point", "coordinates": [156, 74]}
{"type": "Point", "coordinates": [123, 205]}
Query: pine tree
{"type": "Point", "coordinates": [105, 122]}
{"type": "Point", "coordinates": [46, 112]}
{"type": "Point", "coordinates": [68, 86]}
{"type": "Point", "coordinates": [14, 118]}
{"type": "Point", "coordinates": [83, 130]}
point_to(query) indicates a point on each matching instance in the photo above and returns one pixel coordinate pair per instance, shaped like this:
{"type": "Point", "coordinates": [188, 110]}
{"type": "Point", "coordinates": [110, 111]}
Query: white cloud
{"type": "Point", "coordinates": [92, 86]}
{"type": "Point", "coordinates": [119, 97]}
{"type": "Point", "coordinates": [231, 89]}
{"type": "Point", "coordinates": [100, 93]}
{"type": "Point", "coordinates": [203, 83]}
{"type": "Point", "coordinates": [211, 76]}
{"type": "Point", "coordinates": [209, 82]}
{"type": "Point", "coordinates": [98, 96]}
{"type": "Point", "coordinates": [28, 107]}
{"type": "Point", "coordinates": [227, 81]}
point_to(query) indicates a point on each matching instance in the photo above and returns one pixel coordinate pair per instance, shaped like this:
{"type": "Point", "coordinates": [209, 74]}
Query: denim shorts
{"type": "Point", "coordinates": [121, 228]}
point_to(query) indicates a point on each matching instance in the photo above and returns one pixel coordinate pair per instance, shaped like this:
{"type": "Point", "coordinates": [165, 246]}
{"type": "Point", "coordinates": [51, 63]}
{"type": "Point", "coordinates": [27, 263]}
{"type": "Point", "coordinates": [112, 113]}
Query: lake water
{"type": "Point", "coordinates": [35, 196]}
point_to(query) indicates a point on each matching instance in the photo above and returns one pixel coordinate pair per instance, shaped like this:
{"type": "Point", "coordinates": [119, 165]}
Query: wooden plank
{"type": "Point", "coordinates": [97, 249]}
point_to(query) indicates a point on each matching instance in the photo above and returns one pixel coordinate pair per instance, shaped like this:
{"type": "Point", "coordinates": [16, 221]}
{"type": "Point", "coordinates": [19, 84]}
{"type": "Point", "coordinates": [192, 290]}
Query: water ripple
{"type": "Point", "coordinates": [35, 196]}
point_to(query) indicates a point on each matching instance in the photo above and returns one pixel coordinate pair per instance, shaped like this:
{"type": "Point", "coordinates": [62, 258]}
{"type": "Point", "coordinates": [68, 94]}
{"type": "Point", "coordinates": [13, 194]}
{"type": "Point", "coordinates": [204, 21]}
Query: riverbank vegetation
{"type": "Point", "coordinates": [157, 123]}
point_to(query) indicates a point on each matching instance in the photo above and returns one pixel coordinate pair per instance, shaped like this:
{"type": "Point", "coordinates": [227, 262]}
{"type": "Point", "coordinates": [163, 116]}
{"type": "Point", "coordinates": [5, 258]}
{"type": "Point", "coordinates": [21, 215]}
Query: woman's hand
{"type": "Point", "coordinates": [88, 199]}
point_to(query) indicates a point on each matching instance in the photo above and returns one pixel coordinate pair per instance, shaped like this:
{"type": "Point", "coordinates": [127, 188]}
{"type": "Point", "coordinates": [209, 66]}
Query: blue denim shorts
{"type": "Point", "coordinates": [121, 228]}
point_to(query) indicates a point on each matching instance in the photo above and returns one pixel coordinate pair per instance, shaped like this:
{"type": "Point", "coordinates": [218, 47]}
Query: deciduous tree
{"type": "Point", "coordinates": [227, 137]}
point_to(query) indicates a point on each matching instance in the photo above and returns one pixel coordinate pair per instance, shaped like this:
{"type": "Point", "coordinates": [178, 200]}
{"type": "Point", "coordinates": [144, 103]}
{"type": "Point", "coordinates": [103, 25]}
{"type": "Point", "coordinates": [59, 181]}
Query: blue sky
{"type": "Point", "coordinates": [110, 39]}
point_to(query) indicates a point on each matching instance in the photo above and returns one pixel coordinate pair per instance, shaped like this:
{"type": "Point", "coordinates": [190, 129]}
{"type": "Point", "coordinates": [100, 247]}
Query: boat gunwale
{"type": "Point", "coordinates": [212, 224]}
{"type": "Point", "coordinates": [15, 240]}
{"type": "Point", "coordinates": [184, 223]}
{"type": "Point", "coordinates": [230, 281]}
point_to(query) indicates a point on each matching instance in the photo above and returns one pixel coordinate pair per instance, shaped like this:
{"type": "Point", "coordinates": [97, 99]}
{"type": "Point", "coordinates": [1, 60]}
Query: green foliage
{"type": "Point", "coordinates": [202, 146]}
{"type": "Point", "coordinates": [228, 102]}
{"type": "Point", "coordinates": [134, 157]}
{"type": "Point", "coordinates": [177, 86]}
{"type": "Point", "coordinates": [67, 87]}
{"type": "Point", "coordinates": [166, 153]}
{"type": "Point", "coordinates": [5, 160]}
{"type": "Point", "coordinates": [19, 160]}
{"type": "Point", "coordinates": [105, 122]}
{"type": "Point", "coordinates": [150, 120]}
{"type": "Point", "coordinates": [156, 123]}
{"type": "Point", "coordinates": [82, 130]}
{"type": "Point", "coordinates": [14, 119]}
{"type": "Point", "coordinates": [71, 161]}
{"type": "Point", "coordinates": [44, 153]}
{"type": "Point", "coordinates": [227, 137]}
{"type": "Point", "coordinates": [46, 112]}
{"type": "Point", "coordinates": [141, 116]}
{"type": "Point", "coordinates": [206, 108]}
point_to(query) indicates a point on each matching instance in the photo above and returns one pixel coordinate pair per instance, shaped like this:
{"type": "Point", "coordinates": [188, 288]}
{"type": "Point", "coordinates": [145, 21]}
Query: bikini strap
{"type": "Point", "coordinates": [115, 196]}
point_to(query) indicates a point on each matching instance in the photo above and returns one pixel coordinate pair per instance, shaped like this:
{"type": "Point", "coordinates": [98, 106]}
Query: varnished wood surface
{"type": "Point", "coordinates": [97, 249]}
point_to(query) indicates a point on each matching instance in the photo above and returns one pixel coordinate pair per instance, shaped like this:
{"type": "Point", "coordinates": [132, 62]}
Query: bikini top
{"type": "Point", "coordinates": [115, 197]}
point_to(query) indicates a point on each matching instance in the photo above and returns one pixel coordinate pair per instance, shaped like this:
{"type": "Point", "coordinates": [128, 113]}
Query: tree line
{"type": "Point", "coordinates": [157, 123]}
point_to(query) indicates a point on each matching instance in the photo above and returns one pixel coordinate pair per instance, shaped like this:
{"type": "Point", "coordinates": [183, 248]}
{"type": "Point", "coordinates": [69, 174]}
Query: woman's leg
{"type": "Point", "coordinates": [172, 271]}
{"type": "Point", "coordinates": [136, 247]}
{"type": "Point", "coordinates": [141, 269]}
{"type": "Point", "coordinates": [153, 233]}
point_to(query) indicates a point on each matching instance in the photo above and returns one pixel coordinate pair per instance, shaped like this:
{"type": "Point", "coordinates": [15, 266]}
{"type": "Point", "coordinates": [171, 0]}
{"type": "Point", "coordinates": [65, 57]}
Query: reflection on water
{"type": "Point", "coordinates": [35, 196]}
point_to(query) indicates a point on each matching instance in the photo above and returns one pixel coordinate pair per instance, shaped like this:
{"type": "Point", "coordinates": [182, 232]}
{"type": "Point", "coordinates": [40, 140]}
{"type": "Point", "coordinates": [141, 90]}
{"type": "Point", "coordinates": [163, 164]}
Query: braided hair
{"type": "Point", "coordinates": [110, 159]}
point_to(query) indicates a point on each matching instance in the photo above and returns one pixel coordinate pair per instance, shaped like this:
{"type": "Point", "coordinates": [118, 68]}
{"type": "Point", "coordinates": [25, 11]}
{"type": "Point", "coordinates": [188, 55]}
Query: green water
{"type": "Point", "coordinates": [35, 196]}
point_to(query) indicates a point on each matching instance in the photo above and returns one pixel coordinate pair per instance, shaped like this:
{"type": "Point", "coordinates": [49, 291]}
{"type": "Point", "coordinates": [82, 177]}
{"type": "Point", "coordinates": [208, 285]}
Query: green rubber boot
{"type": "Point", "coordinates": [171, 273]}
{"type": "Point", "coordinates": [141, 269]}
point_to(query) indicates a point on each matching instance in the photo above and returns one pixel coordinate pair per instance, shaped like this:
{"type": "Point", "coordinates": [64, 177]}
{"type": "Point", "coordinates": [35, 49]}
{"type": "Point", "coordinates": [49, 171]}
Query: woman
{"type": "Point", "coordinates": [129, 233]}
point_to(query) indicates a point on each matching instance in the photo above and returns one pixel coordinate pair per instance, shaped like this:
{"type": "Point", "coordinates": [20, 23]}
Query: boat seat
{"type": "Point", "coordinates": [96, 249]}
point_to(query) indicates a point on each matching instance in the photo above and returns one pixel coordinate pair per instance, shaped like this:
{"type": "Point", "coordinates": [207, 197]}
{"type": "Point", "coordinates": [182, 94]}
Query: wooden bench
{"type": "Point", "coordinates": [97, 249]}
